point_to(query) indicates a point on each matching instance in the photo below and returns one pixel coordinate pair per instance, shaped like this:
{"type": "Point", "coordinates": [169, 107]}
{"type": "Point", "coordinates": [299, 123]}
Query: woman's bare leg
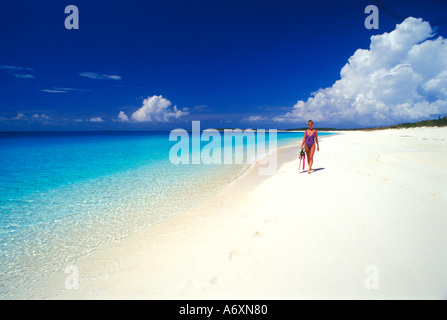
{"type": "Point", "coordinates": [306, 148]}
{"type": "Point", "coordinates": [310, 157]}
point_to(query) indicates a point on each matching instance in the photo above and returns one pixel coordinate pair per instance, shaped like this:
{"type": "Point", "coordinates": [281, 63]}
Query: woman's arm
{"type": "Point", "coordinates": [316, 140]}
{"type": "Point", "coordinates": [302, 143]}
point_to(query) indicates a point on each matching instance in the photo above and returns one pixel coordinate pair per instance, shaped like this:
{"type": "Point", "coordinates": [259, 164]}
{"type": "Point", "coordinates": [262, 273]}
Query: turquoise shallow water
{"type": "Point", "coordinates": [64, 195]}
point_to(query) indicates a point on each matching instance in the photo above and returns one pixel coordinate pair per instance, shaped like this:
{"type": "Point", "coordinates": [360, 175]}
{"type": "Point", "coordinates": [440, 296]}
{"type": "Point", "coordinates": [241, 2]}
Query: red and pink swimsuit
{"type": "Point", "coordinates": [309, 139]}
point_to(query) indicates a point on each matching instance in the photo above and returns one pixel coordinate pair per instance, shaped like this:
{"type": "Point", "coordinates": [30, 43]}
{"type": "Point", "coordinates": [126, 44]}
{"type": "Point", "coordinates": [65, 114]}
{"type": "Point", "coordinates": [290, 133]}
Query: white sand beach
{"type": "Point", "coordinates": [369, 223]}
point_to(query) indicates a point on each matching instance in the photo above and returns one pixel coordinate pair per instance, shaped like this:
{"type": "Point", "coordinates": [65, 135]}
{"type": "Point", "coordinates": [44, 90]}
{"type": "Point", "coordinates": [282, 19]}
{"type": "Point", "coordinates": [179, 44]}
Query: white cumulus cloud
{"type": "Point", "coordinates": [401, 77]}
{"type": "Point", "coordinates": [122, 116]}
{"type": "Point", "coordinates": [155, 108]}
{"type": "Point", "coordinates": [96, 119]}
{"type": "Point", "coordinates": [40, 117]}
{"type": "Point", "coordinates": [20, 116]}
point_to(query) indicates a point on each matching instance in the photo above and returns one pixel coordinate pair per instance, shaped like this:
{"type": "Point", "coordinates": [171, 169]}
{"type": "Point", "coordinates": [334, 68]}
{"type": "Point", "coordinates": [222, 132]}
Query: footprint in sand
{"type": "Point", "coordinates": [203, 284]}
{"type": "Point", "coordinates": [214, 281]}
{"type": "Point", "coordinates": [234, 254]}
{"type": "Point", "coordinates": [246, 214]}
{"type": "Point", "coordinates": [257, 234]}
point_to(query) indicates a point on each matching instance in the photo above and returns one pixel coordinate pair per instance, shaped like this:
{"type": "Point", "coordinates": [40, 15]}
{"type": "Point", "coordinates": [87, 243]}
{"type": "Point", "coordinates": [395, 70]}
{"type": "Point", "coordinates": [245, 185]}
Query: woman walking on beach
{"type": "Point", "coordinates": [309, 142]}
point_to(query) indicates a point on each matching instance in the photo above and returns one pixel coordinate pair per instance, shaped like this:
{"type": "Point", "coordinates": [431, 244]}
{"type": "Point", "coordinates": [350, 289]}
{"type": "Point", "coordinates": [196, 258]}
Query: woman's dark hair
{"type": "Point", "coordinates": [310, 122]}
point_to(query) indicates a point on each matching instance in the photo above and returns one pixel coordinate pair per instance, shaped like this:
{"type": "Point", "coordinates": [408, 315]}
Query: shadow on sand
{"type": "Point", "coordinates": [313, 170]}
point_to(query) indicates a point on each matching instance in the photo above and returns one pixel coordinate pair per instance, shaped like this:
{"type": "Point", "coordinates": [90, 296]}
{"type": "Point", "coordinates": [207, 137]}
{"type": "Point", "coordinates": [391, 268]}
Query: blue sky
{"type": "Point", "coordinates": [158, 65]}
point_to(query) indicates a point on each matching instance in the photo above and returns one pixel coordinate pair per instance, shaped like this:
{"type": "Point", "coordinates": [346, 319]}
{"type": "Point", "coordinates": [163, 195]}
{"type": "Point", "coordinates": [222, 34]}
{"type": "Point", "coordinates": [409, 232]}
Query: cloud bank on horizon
{"type": "Point", "coordinates": [401, 77]}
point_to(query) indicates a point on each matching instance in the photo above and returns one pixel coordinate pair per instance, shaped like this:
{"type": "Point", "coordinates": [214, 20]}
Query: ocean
{"type": "Point", "coordinates": [64, 195]}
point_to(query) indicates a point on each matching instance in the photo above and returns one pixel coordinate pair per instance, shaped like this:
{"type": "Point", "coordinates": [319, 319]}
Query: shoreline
{"type": "Point", "coordinates": [106, 259]}
{"type": "Point", "coordinates": [41, 267]}
{"type": "Point", "coordinates": [375, 202]}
